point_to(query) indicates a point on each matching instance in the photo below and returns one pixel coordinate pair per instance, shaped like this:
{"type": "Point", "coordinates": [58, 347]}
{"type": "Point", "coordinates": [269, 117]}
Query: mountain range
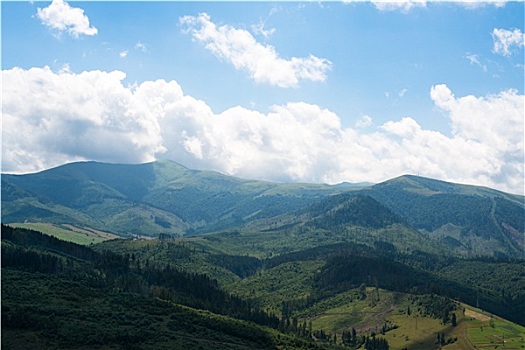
{"type": "Point", "coordinates": [164, 197]}
{"type": "Point", "coordinates": [218, 262]}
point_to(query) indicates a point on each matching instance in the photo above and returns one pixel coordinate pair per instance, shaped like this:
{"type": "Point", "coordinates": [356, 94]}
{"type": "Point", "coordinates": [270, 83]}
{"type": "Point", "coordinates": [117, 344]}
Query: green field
{"type": "Point", "coordinates": [497, 333]}
{"type": "Point", "coordinates": [69, 233]}
{"type": "Point", "coordinates": [414, 331]}
{"type": "Point", "coordinates": [370, 315]}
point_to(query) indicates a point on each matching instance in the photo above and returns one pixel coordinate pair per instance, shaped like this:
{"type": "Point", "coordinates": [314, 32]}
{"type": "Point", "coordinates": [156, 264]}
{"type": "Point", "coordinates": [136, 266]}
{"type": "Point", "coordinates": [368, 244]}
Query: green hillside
{"type": "Point", "coordinates": [274, 270]}
{"type": "Point", "coordinates": [222, 291]}
{"type": "Point", "coordinates": [469, 220]}
{"type": "Point", "coordinates": [58, 294]}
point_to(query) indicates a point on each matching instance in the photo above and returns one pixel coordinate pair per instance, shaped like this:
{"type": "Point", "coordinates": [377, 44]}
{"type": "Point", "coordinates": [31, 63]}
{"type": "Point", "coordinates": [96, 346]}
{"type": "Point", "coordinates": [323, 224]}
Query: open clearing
{"type": "Point", "coordinates": [475, 329]}
{"type": "Point", "coordinates": [84, 236]}
{"type": "Point", "coordinates": [476, 315]}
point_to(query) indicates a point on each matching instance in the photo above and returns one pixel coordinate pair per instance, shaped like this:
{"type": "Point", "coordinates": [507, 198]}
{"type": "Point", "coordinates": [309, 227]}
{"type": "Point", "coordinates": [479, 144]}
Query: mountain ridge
{"type": "Point", "coordinates": [166, 197]}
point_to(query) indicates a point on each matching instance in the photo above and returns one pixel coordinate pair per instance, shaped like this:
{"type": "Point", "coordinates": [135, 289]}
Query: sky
{"type": "Point", "coordinates": [318, 92]}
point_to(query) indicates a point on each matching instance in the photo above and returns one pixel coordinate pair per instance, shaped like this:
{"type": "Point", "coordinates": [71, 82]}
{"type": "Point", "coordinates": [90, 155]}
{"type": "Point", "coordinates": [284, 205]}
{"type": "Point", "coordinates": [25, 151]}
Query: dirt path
{"type": "Point", "coordinates": [463, 341]}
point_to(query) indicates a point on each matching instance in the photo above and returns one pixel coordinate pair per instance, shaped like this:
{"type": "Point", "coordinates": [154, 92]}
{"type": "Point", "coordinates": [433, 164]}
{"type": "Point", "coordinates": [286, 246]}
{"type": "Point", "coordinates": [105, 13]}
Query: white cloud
{"type": "Point", "coordinates": [494, 122]}
{"type": "Point", "coordinates": [50, 118]}
{"type": "Point", "coordinates": [395, 5]}
{"type": "Point", "coordinates": [70, 116]}
{"type": "Point", "coordinates": [474, 60]}
{"type": "Point", "coordinates": [406, 6]}
{"type": "Point", "coordinates": [259, 29]}
{"type": "Point", "coordinates": [123, 54]}
{"type": "Point", "coordinates": [364, 122]}
{"type": "Point", "coordinates": [66, 68]}
{"type": "Point", "coordinates": [475, 4]}
{"type": "Point", "coordinates": [141, 47]}
{"type": "Point", "coordinates": [505, 39]}
{"type": "Point", "coordinates": [64, 18]}
{"type": "Point", "coordinates": [262, 62]}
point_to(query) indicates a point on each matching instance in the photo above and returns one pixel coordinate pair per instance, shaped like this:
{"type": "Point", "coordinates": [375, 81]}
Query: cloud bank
{"type": "Point", "coordinates": [50, 118]}
{"type": "Point", "coordinates": [262, 62]}
{"type": "Point", "coordinates": [64, 18]}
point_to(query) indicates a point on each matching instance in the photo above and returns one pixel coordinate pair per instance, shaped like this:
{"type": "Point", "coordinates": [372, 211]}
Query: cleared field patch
{"type": "Point", "coordinates": [84, 236]}
{"type": "Point", "coordinates": [475, 329]}
{"type": "Point", "coordinates": [372, 315]}
{"type": "Point", "coordinates": [414, 333]}
{"type": "Point", "coordinates": [476, 315]}
{"type": "Point", "coordinates": [365, 316]}
{"type": "Point", "coordinates": [494, 334]}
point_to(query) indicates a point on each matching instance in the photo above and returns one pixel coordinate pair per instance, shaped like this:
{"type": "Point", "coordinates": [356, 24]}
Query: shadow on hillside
{"type": "Point", "coordinates": [431, 342]}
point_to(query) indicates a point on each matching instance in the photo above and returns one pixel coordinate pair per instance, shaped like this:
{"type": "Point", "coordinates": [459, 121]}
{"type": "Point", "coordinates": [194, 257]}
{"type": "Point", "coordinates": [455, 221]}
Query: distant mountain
{"type": "Point", "coordinates": [468, 219]}
{"type": "Point", "coordinates": [165, 197]}
{"type": "Point", "coordinates": [146, 199]}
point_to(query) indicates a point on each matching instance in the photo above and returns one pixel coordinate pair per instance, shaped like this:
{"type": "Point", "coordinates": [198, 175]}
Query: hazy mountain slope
{"type": "Point", "coordinates": [148, 198]}
{"type": "Point", "coordinates": [63, 184]}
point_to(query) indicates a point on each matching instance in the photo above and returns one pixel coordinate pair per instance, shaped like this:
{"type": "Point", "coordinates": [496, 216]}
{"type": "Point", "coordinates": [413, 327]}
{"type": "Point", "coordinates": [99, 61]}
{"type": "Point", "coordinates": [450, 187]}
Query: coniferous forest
{"type": "Point", "coordinates": [65, 295]}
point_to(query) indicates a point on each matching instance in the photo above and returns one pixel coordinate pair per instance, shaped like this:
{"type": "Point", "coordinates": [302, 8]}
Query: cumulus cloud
{"type": "Point", "coordinates": [496, 124]}
{"type": "Point", "coordinates": [54, 117]}
{"type": "Point", "coordinates": [262, 62]}
{"type": "Point", "coordinates": [504, 40]}
{"type": "Point", "coordinates": [49, 118]}
{"type": "Point", "coordinates": [64, 18]}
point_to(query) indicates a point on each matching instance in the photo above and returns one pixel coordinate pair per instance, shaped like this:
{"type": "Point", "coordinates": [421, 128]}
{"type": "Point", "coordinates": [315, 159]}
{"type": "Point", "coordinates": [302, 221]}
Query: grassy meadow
{"type": "Point", "coordinates": [488, 332]}
{"type": "Point", "coordinates": [70, 233]}
{"type": "Point", "coordinates": [475, 329]}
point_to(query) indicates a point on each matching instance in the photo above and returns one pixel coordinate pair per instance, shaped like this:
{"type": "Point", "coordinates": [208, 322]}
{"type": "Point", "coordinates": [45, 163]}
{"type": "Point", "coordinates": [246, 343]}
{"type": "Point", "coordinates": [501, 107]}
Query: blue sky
{"type": "Point", "coordinates": [285, 91]}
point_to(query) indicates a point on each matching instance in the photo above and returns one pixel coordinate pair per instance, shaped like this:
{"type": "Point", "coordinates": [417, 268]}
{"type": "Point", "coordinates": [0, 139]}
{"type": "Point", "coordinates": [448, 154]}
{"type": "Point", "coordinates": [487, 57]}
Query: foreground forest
{"type": "Point", "coordinates": [201, 293]}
